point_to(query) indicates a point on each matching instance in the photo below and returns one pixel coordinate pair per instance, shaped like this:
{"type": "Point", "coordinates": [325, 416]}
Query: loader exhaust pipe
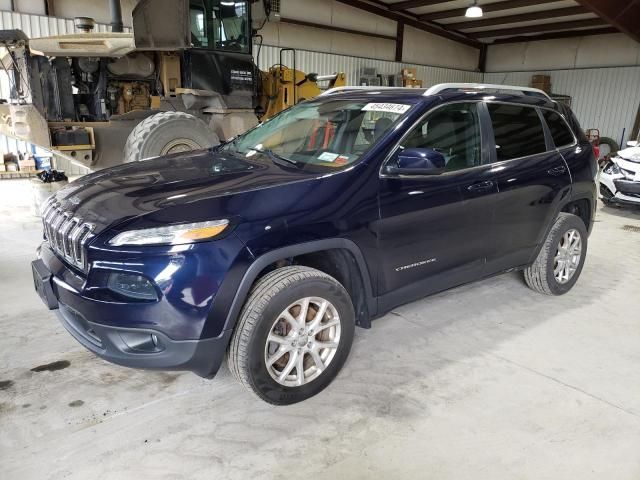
{"type": "Point", "coordinates": [116, 16]}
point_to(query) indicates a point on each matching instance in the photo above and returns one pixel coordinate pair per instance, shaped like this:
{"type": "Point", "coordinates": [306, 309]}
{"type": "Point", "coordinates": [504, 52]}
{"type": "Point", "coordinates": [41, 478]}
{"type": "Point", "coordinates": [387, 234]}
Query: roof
{"type": "Point", "coordinates": [506, 21]}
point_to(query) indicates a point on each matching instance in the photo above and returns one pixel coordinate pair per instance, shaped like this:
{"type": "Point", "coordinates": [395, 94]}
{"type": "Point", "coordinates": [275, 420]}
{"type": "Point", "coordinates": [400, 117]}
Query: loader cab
{"type": "Point", "coordinates": [213, 40]}
{"type": "Point", "coordinates": [220, 25]}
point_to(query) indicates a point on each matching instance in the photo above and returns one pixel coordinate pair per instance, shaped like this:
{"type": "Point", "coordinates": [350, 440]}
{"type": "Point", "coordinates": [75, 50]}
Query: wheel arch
{"type": "Point", "coordinates": [583, 206]}
{"type": "Point", "coordinates": [309, 252]}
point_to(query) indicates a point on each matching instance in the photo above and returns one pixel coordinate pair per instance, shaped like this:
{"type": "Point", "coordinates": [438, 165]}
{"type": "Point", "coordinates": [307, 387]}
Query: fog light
{"type": "Point", "coordinates": [132, 286]}
{"type": "Point", "coordinates": [141, 342]}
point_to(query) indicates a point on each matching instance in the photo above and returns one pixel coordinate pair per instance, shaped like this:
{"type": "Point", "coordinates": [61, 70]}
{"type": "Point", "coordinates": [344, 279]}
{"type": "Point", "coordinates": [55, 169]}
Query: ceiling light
{"type": "Point", "coordinates": [474, 11]}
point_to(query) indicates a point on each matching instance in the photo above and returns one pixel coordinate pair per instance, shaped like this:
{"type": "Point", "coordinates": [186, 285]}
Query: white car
{"type": "Point", "coordinates": [620, 177]}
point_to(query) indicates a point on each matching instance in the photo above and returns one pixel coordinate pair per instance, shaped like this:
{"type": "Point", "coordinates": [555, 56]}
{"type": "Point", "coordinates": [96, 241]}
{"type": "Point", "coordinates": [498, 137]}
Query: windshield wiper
{"type": "Point", "coordinates": [275, 157]}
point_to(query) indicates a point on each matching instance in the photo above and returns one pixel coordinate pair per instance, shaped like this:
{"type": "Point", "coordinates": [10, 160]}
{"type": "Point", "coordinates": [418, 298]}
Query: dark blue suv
{"type": "Point", "coordinates": [272, 247]}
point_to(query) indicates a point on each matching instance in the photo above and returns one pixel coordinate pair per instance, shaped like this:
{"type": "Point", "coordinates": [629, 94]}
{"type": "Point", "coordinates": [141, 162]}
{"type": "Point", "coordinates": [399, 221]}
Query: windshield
{"type": "Point", "coordinates": [331, 134]}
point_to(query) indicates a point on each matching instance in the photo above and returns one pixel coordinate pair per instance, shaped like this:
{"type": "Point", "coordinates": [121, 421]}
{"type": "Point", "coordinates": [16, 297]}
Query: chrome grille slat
{"type": "Point", "coordinates": [66, 241]}
{"type": "Point", "coordinates": [67, 235]}
{"type": "Point", "coordinates": [75, 245]}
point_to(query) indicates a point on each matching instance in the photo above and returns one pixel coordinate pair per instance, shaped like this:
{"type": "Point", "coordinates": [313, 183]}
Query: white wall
{"type": "Point", "coordinates": [24, 6]}
{"type": "Point", "coordinates": [419, 47]}
{"type": "Point", "coordinates": [97, 9]}
{"type": "Point", "coordinates": [281, 34]}
{"type": "Point", "coordinates": [613, 50]}
{"type": "Point", "coordinates": [427, 49]}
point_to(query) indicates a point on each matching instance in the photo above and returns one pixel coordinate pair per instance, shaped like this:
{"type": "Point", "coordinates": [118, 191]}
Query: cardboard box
{"type": "Point", "coordinates": [412, 83]}
{"type": "Point", "coordinates": [409, 72]}
{"type": "Point", "coordinates": [545, 87]}
{"type": "Point", "coordinates": [541, 79]}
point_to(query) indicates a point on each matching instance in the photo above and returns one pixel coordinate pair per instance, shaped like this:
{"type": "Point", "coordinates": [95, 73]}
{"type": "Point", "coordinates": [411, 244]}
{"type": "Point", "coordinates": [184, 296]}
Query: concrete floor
{"type": "Point", "coordinates": [489, 380]}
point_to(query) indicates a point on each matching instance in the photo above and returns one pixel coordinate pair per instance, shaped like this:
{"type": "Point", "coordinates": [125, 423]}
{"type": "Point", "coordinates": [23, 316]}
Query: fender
{"type": "Point", "coordinates": [269, 258]}
{"type": "Point", "coordinates": [566, 201]}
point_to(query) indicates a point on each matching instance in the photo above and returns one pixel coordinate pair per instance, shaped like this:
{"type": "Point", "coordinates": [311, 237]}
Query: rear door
{"type": "Point", "coordinates": [434, 231]}
{"type": "Point", "coordinates": [532, 178]}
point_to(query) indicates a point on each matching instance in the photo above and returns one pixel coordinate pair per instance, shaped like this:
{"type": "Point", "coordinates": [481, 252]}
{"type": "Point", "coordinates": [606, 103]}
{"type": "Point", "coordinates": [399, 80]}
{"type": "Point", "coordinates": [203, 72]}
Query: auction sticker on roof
{"type": "Point", "coordinates": [386, 107]}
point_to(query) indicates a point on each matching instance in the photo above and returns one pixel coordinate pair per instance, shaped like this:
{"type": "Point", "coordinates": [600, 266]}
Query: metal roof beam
{"type": "Point", "coordinates": [523, 17]}
{"type": "Point", "coordinates": [546, 27]}
{"type": "Point", "coordinates": [414, 4]}
{"type": "Point", "coordinates": [488, 8]}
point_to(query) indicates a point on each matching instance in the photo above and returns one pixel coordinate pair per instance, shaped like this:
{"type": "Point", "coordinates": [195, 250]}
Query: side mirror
{"type": "Point", "coordinates": [418, 161]}
{"type": "Point", "coordinates": [633, 143]}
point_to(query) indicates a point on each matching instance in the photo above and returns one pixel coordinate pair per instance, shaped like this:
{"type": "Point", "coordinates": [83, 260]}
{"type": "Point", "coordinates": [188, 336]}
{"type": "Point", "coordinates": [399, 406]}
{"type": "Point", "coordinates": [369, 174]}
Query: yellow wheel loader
{"type": "Point", "coordinates": [185, 79]}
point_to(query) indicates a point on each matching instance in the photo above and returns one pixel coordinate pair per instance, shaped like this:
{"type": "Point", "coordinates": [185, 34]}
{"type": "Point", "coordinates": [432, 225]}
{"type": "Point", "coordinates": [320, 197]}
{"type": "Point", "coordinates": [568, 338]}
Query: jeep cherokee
{"type": "Point", "coordinates": [272, 247]}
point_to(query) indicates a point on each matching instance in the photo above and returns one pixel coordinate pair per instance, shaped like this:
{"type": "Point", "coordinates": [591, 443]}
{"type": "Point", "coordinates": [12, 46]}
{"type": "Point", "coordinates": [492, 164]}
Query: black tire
{"type": "Point", "coordinates": [168, 132]}
{"type": "Point", "coordinates": [269, 297]}
{"type": "Point", "coordinates": [612, 144]}
{"type": "Point", "coordinates": [539, 276]}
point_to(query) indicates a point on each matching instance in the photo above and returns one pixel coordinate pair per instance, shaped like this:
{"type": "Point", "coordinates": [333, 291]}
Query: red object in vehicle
{"type": "Point", "coordinates": [323, 132]}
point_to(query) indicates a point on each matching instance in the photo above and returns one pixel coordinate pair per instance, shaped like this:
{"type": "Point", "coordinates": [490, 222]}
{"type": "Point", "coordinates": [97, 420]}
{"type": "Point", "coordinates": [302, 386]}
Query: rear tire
{"type": "Point", "coordinates": [557, 267]}
{"type": "Point", "coordinates": [168, 132]}
{"type": "Point", "coordinates": [271, 341]}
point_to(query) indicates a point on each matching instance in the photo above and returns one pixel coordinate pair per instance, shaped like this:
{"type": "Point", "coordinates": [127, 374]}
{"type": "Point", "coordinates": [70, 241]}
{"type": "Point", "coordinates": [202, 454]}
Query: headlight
{"type": "Point", "coordinates": [173, 235]}
{"type": "Point", "coordinates": [611, 169]}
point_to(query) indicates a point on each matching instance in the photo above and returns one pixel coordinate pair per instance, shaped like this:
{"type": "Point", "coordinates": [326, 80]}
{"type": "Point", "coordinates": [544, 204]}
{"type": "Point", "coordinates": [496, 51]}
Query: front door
{"type": "Point", "coordinates": [434, 230]}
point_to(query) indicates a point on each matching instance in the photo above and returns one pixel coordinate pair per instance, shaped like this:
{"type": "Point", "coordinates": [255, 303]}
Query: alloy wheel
{"type": "Point", "coordinates": [302, 341]}
{"type": "Point", "coordinates": [567, 258]}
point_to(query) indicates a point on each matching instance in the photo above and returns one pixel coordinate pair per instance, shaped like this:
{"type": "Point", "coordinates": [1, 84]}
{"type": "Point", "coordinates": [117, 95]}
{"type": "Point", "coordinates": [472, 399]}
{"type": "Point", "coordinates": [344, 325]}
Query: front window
{"type": "Point", "coordinates": [453, 131]}
{"type": "Point", "coordinates": [220, 25]}
{"type": "Point", "coordinates": [331, 134]}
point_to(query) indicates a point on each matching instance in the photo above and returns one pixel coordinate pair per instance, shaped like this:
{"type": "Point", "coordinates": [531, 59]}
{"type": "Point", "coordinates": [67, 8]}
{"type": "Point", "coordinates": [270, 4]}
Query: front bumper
{"type": "Point", "coordinates": [629, 188]}
{"type": "Point", "coordinates": [145, 348]}
{"type": "Point", "coordinates": [168, 334]}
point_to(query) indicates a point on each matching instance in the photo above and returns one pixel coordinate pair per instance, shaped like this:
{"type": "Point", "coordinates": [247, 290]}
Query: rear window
{"type": "Point", "coordinates": [560, 132]}
{"type": "Point", "coordinates": [518, 131]}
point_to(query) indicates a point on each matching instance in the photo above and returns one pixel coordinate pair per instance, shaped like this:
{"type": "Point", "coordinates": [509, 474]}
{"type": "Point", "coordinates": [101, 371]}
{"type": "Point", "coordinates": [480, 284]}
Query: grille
{"type": "Point", "coordinates": [67, 235]}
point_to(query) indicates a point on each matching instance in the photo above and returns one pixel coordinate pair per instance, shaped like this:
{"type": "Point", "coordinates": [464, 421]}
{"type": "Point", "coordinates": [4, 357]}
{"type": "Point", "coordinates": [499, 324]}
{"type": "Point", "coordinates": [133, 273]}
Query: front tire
{"type": "Point", "coordinates": [166, 133]}
{"type": "Point", "coordinates": [293, 336]}
{"type": "Point", "coordinates": [561, 258]}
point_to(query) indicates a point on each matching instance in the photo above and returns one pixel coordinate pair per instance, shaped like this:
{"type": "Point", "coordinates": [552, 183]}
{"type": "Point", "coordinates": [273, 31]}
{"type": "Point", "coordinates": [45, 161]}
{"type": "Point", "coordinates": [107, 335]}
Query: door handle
{"type": "Point", "coordinates": [480, 186]}
{"type": "Point", "coordinates": [557, 171]}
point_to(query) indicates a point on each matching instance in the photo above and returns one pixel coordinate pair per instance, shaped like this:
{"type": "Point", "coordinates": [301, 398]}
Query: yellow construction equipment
{"type": "Point", "coordinates": [283, 87]}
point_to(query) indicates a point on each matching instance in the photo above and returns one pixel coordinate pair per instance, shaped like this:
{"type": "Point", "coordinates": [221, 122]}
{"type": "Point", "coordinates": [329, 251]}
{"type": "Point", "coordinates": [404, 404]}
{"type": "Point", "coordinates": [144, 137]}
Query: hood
{"type": "Point", "coordinates": [631, 154]}
{"type": "Point", "coordinates": [178, 182]}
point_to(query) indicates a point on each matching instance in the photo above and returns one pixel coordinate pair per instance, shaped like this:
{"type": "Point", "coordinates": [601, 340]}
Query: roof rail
{"type": "Point", "coordinates": [483, 86]}
{"type": "Point", "coordinates": [333, 90]}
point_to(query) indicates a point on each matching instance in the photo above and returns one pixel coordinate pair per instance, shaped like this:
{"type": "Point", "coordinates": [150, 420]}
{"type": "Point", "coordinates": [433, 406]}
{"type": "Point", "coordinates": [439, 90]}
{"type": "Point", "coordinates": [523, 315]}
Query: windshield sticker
{"type": "Point", "coordinates": [342, 160]}
{"type": "Point", "coordinates": [386, 107]}
{"type": "Point", "coordinates": [328, 157]}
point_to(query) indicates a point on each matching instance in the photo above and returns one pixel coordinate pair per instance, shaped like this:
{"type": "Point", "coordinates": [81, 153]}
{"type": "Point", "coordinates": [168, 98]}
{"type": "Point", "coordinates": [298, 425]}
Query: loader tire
{"type": "Point", "coordinates": [168, 132]}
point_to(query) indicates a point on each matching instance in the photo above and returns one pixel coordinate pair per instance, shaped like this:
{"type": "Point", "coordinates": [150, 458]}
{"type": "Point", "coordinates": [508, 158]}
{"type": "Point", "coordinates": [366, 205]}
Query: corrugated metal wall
{"type": "Point", "coordinates": [603, 98]}
{"type": "Point", "coordinates": [326, 63]}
